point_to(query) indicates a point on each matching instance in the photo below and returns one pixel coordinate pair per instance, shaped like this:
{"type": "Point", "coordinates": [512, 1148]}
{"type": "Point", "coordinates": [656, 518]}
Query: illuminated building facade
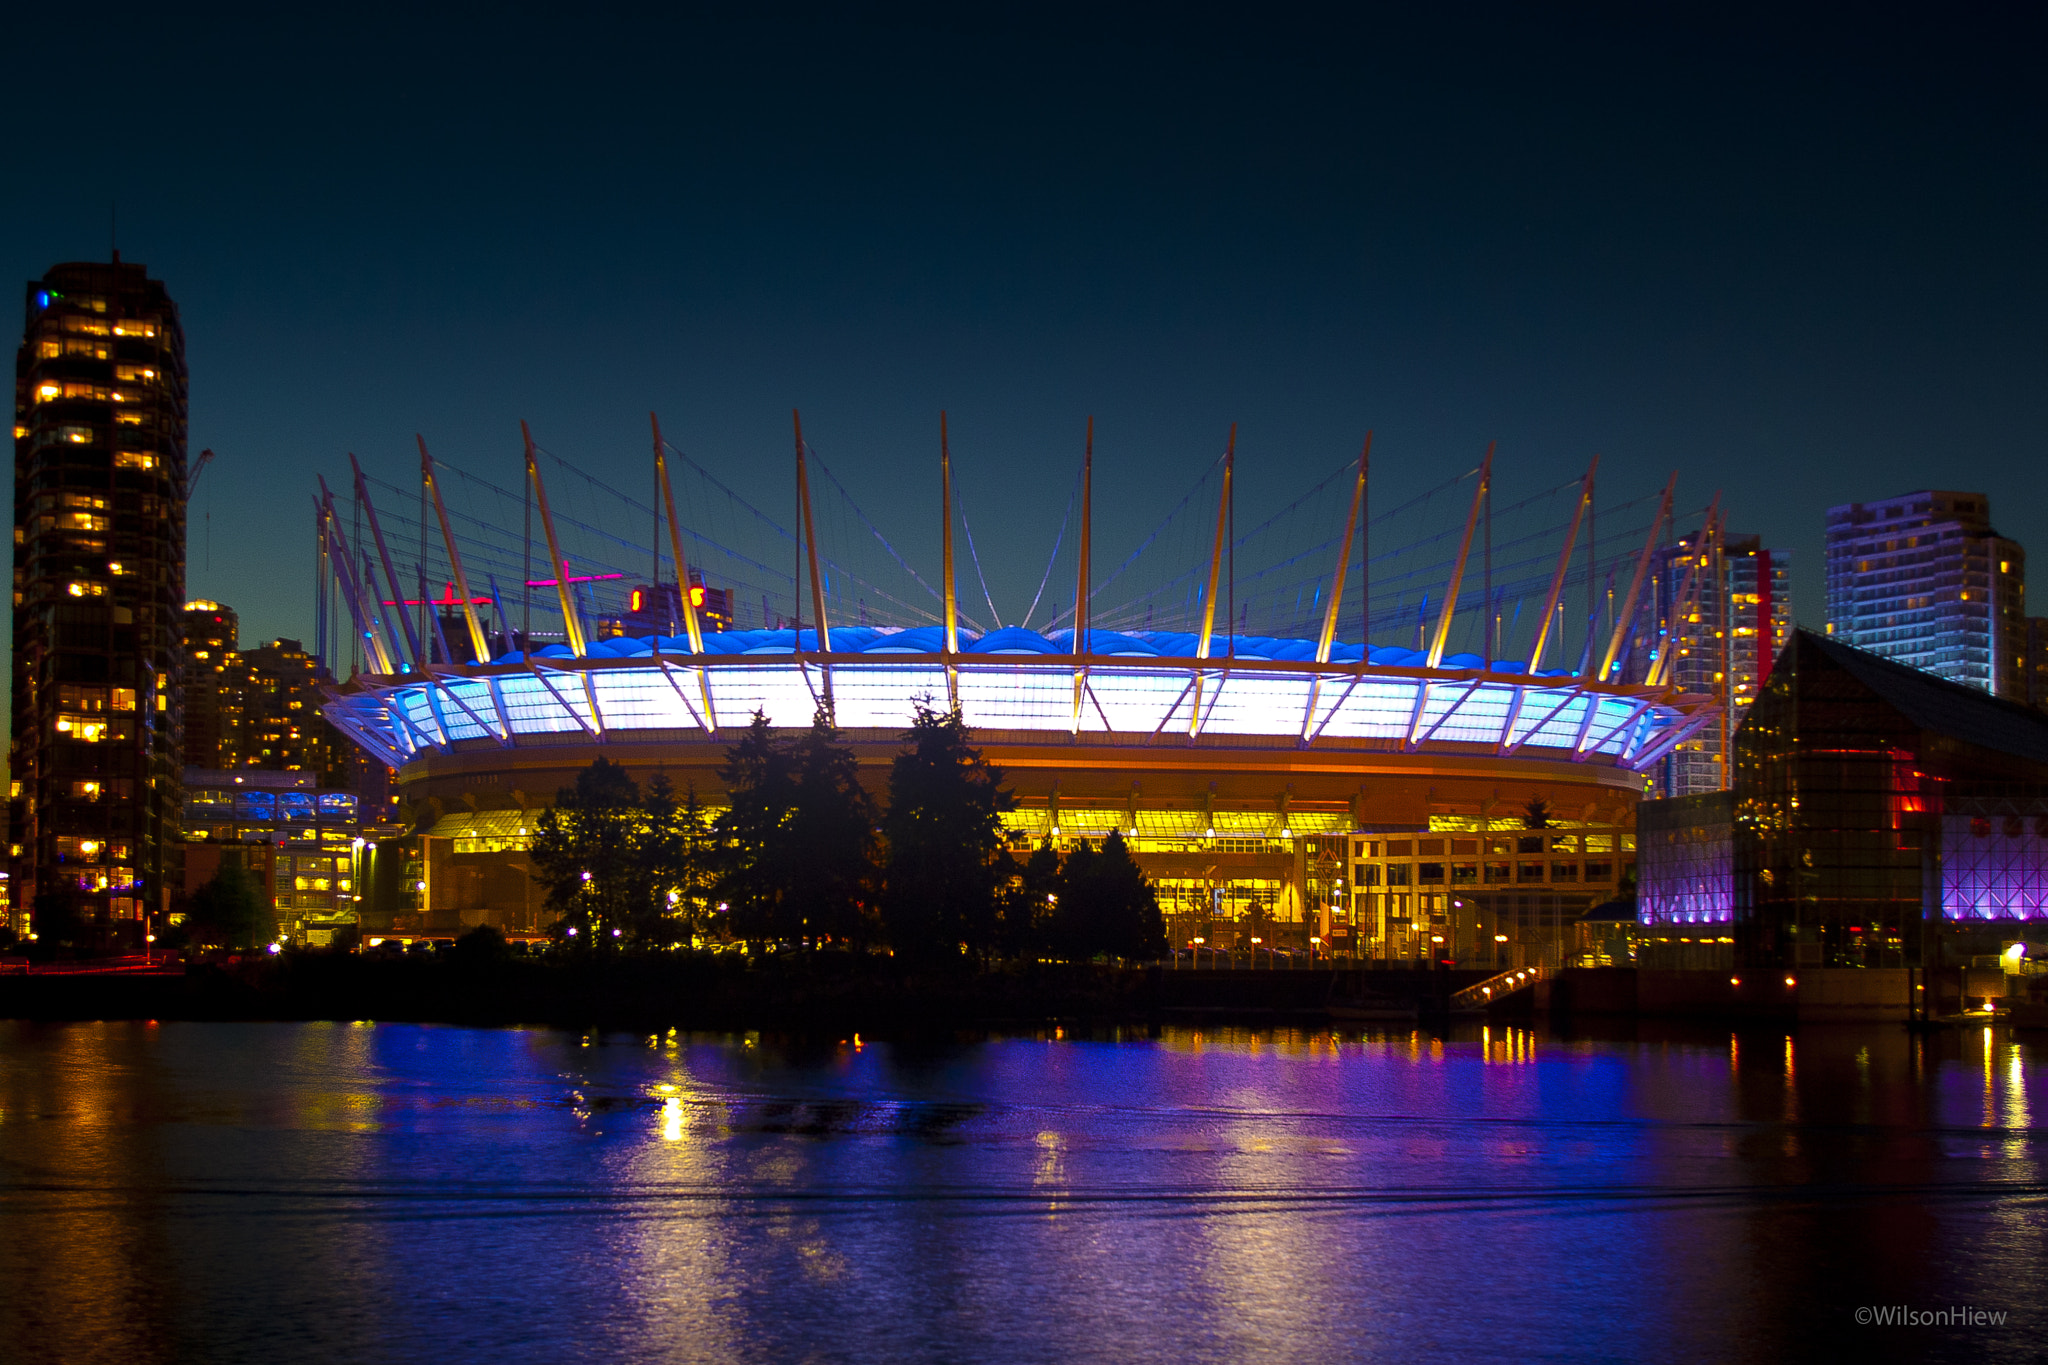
{"type": "Point", "coordinates": [1281, 791]}
{"type": "Point", "coordinates": [1925, 580]}
{"type": "Point", "coordinates": [1879, 816]}
{"type": "Point", "coordinates": [299, 839]}
{"type": "Point", "coordinates": [99, 576]}
{"type": "Point", "coordinates": [1728, 602]}
{"type": "Point", "coordinates": [214, 690]}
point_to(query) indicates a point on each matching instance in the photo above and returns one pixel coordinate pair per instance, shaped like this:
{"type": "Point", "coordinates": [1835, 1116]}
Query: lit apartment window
{"type": "Point", "coordinates": [135, 327]}
{"type": "Point", "coordinates": [134, 459]}
{"type": "Point", "coordinates": [135, 374]}
{"type": "Point", "coordinates": [89, 729]}
{"type": "Point", "coordinates": [86, 589]}
{"type": "Point", "coordinates": [78, 436]}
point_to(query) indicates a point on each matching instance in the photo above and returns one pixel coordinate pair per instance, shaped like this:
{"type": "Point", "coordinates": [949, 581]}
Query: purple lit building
{"type": "Point", "coordinates": [1881, 816]}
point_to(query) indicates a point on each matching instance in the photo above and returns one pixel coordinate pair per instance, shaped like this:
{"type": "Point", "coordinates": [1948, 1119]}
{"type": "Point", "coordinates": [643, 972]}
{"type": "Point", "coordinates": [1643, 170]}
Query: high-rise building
{"type": "Point", "coordinates": [1728, 604]}
{"type": "Point", "coordinates": [99, 578]}
{"type": "Point", "coordinates": [214, 690]}
{"type": "Point", "coordinates": [283, 728]}
{"type": "Point", "coordinates": [256, 708]}
{"type": "Point", "coordinates": [1923, 579]}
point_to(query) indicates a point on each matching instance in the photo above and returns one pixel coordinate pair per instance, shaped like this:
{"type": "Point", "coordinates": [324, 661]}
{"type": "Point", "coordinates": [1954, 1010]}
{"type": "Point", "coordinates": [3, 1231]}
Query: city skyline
{"type": "Point", "coordinates": [1434, 250]}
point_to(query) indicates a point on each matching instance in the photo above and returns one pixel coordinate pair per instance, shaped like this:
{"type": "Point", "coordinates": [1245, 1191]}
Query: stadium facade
{"type": "Point", "coordinates": [1388, 801]}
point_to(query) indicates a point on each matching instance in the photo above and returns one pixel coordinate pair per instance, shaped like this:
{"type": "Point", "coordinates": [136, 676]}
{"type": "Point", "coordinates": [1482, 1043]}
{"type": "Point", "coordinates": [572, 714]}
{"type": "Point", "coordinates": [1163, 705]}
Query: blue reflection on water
{"type": "Point", "coordinates": [395, 1193]}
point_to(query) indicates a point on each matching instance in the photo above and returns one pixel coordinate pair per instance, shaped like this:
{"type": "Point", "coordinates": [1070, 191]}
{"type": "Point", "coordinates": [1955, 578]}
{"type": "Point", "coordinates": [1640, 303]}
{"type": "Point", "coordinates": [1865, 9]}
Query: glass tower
{"type": "Point", "coordinates": [1924, 580]}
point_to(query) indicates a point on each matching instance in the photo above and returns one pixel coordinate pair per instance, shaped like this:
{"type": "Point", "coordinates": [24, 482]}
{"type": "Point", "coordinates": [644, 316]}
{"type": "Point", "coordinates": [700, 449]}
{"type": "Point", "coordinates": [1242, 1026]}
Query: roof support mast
{"type": "Point", "coordinates": [390, 572]}
{"type": "Point", "coordinates": [1624, 618]}
{"type": "Point", "coordinates": [1564, 559]}
{"type": "Point", "coordinates": [367, 623]}
{"type": "Point", "coordinates": [1215, 579]}
{"type": "Point", "coordinates": [1081, 577]}
{"type": "Point", "coordinates": [803, 493]}
{"type": "Point", "coordinates": [952, 639]}
{"type": "Point", "coordinates": [691, 623]}
{"type": "Point", "coordinates": [1685, 599]}
{"type": "Point", "coordinates": [476, 629]}
{"type": "Point", "coordinates": [1343, 571]}
{"type": "Point", "coordinates": [1443, 621]}
{"type": "Point", "coordinates": [571, 622]}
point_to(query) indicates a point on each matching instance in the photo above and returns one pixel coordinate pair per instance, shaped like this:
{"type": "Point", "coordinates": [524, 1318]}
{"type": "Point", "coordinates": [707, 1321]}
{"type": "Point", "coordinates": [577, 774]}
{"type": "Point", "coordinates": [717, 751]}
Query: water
{"type": "Point", "coordinates": [336, 1192]}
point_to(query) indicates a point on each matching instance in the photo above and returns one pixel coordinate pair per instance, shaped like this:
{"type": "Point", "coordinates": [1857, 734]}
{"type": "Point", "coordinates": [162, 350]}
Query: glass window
{"type": "Point", "coordinates": [1464, 874]}
{"type": "Point", "coordinates": [134, 459]}
{"type": "Point", "coordinates": [1599, 872]}
{"type": "Point", "coordinates": [1430, 874]}
{"type": "Point", "coordinates": [1529, 872]}
{"type": "Point", "coordinates": [1499, 872]}
{"type": "Point", "coordinates": [89, 729]}
{"type": "Point", "coordinates": [1398, 873]}
{"type": "Point", "coordinates": [256, 805]}
{"type": "Point", "coordinates": [1564, 872]}
{"type": "Point", "coordinates": [1529, 843]}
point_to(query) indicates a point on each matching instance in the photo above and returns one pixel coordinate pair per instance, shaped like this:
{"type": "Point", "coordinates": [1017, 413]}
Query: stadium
{"type": "Point", "coordinates": [1294, 788]}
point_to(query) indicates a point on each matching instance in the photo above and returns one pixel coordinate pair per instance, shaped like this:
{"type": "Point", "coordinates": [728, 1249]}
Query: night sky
{"type": "Point", "coordinates": [1799, 260]}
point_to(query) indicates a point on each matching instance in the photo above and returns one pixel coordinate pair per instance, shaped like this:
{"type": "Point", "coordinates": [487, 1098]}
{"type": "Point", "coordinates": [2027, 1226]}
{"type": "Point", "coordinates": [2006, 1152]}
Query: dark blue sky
{"type": "Point", "coordinates": [1799, 259]}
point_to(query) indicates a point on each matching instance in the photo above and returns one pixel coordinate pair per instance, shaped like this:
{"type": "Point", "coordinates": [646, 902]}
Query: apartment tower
{"type": "Point", "coordinates": [99, 583]}
{"type": "Point", "coordinates": [1924, 580]}
{"type": "Point", "coordinates": [1727, 604]}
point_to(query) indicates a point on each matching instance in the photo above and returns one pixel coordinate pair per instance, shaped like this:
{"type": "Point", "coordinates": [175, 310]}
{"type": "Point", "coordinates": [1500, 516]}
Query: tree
{"type": "Point", "coordinates": [676, 849]}
{"type": "Point", "coordinates": [55, 919]}
{"type": "Point", "coordinates": [228, 909]}
{"type": "Point", "coordinates": [752, 834]}
{"type": "Point", "coordinates": [947, 866]}
{"type": "Point", "coordinates": [795, 855]}
{"type": "Point", "coordinates": [1536, 814]}
{"type": "Point", "coordinates": [833, 892]}
{"type": "Point", "coordinates": [1107, 906]}
{"type": "Point", "coordinates": [590, 852]}
{"type": "Point", "coordinates": [1031, 907]}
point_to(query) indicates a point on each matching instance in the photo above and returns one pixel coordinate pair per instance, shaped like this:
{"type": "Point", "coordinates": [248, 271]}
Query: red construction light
{"type": "Point", "coordinates": [446, 599]}
{"type": "Point", "coordinates": [696, 594]}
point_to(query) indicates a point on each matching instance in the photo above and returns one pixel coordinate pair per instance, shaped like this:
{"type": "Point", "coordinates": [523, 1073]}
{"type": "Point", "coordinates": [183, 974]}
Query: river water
{"type": "Point", "coordinates": [366, 1193]}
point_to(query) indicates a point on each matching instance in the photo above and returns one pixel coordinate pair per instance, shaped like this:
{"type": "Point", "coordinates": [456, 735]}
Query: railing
{"type": "Point", "coordinates": [1497, 988]}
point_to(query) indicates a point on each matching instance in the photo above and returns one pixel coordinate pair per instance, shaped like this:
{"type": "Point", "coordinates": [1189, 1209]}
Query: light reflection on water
{"type": "Point", "coordinates": [317, 1192]}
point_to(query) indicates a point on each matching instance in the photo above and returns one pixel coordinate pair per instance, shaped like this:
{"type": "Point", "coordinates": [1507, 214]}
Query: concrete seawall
{"type": "Point", "coordinates": [1809, 995]}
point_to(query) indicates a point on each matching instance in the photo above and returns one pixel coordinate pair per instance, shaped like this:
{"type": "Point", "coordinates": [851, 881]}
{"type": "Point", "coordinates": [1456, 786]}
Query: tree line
{"type": "Point", "coordinates": [801, 856]}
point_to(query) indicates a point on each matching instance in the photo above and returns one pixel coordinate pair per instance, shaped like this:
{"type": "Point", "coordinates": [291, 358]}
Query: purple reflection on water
{"type": "Point", "coordinates": [317, 1192]}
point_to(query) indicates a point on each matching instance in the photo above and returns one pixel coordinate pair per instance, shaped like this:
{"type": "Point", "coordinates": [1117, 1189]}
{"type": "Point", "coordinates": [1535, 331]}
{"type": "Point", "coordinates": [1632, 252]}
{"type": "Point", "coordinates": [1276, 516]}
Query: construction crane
{"type": "Point", "coordinates": [192, 476]}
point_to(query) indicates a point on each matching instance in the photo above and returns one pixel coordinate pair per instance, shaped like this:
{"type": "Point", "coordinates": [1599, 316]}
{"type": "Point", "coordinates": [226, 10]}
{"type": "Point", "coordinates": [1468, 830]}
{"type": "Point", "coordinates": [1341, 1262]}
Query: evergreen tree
{"type": "Point", "coordinates": [590, 853]}
{"type": "Point", "coordinates": [947, 866]}
{"type": "Point", "coordinates": [752, 861]}
{"type": "Point", "coordinates": [832, 892]}
{"type": "Point", "coordinates": [1107, 906]}
{"type": "Point", "coordinates": [229, 910]}
{"type": "Point", "coordinates": [1031, 910]}
{"type": "Point", "coordinates": [1536, 814]}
